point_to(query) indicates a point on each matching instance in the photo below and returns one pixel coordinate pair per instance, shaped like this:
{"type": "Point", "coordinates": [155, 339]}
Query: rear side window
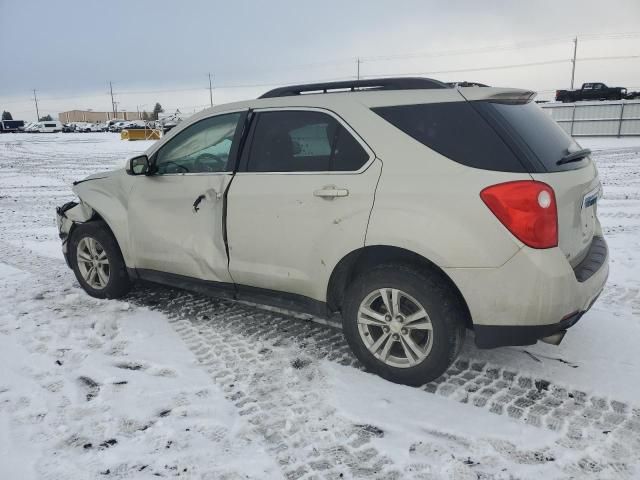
{"type": "Point", "coordinates": [302, 141]}
{"type": "Point", "coordinates": [455, 130]}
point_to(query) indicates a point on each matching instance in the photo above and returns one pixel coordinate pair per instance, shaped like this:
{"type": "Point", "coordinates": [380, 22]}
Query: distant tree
{"type": "Point", "coordinates": [46, 118]}
{"type": "Point", "coordinates": [6, 115]}
{"type": "Point", "coordinates": [146, 116]}
{"type": "Point", "coordinates": [157, 110]}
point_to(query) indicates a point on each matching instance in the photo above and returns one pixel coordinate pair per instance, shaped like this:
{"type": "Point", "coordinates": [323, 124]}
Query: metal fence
{"type": "Point", "coordinates": [612, 118]}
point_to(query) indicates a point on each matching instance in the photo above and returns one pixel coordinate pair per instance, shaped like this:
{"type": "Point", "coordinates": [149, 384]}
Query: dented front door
{"type": "Point", "coordinates": [170, 234]}
{"type": "Point", "coordinates": [176, 214]}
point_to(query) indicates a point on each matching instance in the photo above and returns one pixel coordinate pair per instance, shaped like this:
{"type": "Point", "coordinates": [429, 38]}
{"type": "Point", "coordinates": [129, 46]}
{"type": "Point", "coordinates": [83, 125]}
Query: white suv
{"type": "Point", "coordinates": [413, 210]}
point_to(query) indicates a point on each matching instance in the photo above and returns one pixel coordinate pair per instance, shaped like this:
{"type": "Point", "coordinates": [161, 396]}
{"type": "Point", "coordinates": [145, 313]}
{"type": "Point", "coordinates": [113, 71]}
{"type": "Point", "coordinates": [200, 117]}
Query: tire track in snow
{"type": "Point", "coordinates": [246, 350]}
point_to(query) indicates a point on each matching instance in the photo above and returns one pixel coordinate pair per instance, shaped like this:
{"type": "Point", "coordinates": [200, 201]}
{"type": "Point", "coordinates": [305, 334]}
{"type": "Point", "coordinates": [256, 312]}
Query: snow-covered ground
{"type": "Point", "coordinates": [174, 384]}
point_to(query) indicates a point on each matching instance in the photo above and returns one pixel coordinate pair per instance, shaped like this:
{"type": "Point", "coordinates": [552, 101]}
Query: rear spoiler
{"type": "Point", "coordinates": [509, 96]}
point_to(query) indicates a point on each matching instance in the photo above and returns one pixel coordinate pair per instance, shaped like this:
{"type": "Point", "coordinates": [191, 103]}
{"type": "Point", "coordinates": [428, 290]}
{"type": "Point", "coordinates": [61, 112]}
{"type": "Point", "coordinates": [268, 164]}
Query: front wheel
{"type": "Point", "coordinates": [404, 324]}
{"type": "Point", "coordinates": [97, 261]}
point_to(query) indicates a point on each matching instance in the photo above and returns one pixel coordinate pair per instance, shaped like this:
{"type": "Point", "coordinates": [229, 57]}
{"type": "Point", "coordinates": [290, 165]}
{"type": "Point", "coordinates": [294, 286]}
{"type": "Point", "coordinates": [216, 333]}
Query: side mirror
{"type": "Point", "coordinates": [138, 165]}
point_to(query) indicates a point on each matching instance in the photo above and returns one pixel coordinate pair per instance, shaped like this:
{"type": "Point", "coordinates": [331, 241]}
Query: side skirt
{"type": "Point", "coordinates": [261, 296]}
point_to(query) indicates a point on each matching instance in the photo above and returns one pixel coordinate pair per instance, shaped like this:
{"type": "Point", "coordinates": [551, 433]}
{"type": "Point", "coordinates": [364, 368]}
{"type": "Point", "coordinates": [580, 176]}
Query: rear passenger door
{"type": "Point", "coordinates": [300, 201]}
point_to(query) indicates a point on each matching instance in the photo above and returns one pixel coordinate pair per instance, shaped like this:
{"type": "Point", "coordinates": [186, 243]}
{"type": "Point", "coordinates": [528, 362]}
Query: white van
{"type": "Point", "coordinates": [51, 126]}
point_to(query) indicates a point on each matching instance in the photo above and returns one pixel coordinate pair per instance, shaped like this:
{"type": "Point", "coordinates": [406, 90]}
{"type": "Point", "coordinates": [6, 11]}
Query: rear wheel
{"type": "Point", "coordinates": [97, 261]}
{"type": "Point", "coordinates": [404, 324]}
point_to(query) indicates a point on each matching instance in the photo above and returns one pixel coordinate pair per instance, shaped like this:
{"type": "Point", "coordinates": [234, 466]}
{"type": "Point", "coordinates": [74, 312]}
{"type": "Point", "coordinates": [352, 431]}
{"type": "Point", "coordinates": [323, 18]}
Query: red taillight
{"type": "Point", "coordinates": [527, 208]}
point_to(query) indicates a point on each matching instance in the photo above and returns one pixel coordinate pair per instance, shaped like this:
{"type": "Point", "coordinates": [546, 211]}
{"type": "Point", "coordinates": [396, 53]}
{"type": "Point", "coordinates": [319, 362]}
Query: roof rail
{"type": "Point", "coordinates": [398, 83]}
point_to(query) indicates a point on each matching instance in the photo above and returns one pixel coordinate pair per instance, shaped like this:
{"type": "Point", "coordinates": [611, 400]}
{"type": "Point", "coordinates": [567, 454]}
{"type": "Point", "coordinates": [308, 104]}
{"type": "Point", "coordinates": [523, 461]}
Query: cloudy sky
{"type": "Point", "coordinates": [163, 50]}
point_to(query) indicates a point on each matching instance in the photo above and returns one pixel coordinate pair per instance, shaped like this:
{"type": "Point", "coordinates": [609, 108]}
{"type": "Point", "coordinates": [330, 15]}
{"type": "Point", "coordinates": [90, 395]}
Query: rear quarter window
{"type": "Point", "coordinates": [455, 130]}
{"type": "Point", "coordinates": [535, 135]}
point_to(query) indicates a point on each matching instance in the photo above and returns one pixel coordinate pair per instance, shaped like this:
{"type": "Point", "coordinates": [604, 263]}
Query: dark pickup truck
{"type": "Point", "coordinates": [11, 126]}
{"type": "Point", "coordinates": [592, 91]}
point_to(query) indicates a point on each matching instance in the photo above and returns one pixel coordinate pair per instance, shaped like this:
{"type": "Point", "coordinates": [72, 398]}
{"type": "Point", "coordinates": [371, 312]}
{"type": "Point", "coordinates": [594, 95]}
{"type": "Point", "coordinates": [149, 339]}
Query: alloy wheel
{"type": "Point", "coordinates": [395, 328]}
{"type": "Point", "coordinates": [93, 263]}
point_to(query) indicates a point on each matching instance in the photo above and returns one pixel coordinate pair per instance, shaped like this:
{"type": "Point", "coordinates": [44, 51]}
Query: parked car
{"type": "Point", "coordinates": [51, 126]}
{"type": "Point", "coordinates": [89, 127]}
{"type": "Point", "coordinates": [591, 91]}
{"type": "Point", "coordinates": [169, 122]}
{"type": "Point", "coordinates": [68, 128]}
{"type": "Point", "coordinates": [117, 126]}
{"type": "Point", "coordinates": [111, 123]}
{"type": "Point", "coordinates": [13, 126]}
{"type": "Point", "coordinates": [136, 124]}
{"type": "Point", "coordinates": [400, 206]}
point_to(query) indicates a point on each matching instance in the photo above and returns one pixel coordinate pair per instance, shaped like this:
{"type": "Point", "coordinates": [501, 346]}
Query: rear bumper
{"type": "Point", "coordinates": [492, 336]}
{"type": "Point", "coordinates": [534, 295]}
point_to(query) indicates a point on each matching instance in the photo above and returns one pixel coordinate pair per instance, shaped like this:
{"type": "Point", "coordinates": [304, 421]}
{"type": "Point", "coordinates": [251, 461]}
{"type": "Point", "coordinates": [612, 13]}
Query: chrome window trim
{"type": "Point", "coordinates": [188, 174]}
{"type": "Point", "coordinates": [342, 122]}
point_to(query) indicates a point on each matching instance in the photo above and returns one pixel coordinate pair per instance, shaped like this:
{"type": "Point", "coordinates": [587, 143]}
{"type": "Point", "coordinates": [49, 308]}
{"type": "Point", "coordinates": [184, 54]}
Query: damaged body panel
{"type": "Point", "coordinates": [176, 225]}
{"type": "Point", "coordinates": [102, 196]}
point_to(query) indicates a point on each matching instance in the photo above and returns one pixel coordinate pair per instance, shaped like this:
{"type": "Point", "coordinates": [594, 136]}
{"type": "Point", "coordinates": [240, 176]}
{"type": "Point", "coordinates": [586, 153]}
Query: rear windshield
{"type": "Point", "coordinates": [535, 135]}
{"type": "Point", "coordinates": [491, 136]}
{"type": "Point", "coordinates": [455, 130]}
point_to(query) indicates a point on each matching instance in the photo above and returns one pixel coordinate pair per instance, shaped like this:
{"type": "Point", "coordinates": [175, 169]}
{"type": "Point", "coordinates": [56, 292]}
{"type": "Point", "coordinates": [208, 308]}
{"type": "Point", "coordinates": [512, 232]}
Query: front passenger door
{"type": "Point", "coordinates": [176, 214]}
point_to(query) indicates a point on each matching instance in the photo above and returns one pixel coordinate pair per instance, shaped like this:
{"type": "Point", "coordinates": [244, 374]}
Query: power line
{"type": "Point", "coordinates": [360, 60]}
{"type": "Point", "coordinates": [479, 69]}
{"type": "Point", "coordinates": [272, 84]}
{"type": "Point", "coordinates": [456, 52]}
{"type": "Point", "coordinates": [516, 65]}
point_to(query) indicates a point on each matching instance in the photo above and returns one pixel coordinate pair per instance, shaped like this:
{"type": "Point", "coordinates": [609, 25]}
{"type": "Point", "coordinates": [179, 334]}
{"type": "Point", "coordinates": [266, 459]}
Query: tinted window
{"type": "Point", "coordinates": [348, 153]}
{"type": "Point", "coordinates": [455, 130]}
{"type": "Point", "coordinates": [543, 138]}
{"type": "Point", "coordinates": [302, 141]}
{"type": "Point", "coordinates": [202, 147]}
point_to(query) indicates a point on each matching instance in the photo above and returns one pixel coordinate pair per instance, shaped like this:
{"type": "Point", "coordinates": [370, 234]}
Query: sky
{"type": "Point", "coordinates": [163, 51]}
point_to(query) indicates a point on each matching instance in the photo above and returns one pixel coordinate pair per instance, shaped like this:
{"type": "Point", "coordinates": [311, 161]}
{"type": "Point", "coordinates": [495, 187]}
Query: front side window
{"type": "Point", "coordinates": [202, 147]}
{"type": "Point", "coordinates": [302, 141]}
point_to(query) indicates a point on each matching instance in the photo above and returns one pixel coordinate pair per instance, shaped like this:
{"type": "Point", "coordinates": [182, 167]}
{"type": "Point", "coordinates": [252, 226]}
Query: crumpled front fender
{"type": "Point", "coordinates": [66, 216]}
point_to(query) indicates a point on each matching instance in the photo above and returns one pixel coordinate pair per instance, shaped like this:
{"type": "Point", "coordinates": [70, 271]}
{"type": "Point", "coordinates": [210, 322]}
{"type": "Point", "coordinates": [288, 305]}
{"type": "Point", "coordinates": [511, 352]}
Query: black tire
{"type": "Point", "coordinates": [446, 312]}
{"type": "Point", "coordinates": [119, 282]}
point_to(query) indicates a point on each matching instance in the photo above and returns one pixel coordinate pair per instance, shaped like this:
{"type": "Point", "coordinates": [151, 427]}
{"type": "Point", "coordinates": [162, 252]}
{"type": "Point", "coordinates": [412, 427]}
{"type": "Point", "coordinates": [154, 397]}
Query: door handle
{"type": "Point", "coordinates": [210, 194]}
{"type": "Point", "coordinates": [196, 204]}
{"type": "Point", "coordinates": [330, 192]}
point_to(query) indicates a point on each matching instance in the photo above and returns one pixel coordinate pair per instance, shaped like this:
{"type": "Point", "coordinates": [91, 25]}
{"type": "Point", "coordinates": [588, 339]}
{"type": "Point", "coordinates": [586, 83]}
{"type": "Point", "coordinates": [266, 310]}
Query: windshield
{"type": "Point", "coordinates": [534, 134]}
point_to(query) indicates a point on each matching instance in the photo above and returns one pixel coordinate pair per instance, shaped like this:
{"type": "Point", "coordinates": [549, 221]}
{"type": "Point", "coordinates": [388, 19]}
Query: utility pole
{"type": "Point", "coordinates": [358, 67]}
{"type": "Point", "coordinates": [113, 104]}
{"type": "Point", "coordinates": [210, 91]}
{"type": "Point", "coordinates": [573, 67]}
{"type": "Point", "coordinates": [35, 99]}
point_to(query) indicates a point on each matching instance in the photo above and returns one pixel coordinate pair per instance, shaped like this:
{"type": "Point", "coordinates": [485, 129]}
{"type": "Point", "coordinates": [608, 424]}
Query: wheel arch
{"type": "Point", "coordinates": [96, 217]}
{"type": "Point", "coordinates": [365, 258]}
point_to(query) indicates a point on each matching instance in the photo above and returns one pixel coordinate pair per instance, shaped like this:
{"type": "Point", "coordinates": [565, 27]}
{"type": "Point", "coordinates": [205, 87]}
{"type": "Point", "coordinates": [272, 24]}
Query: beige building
{"type": "Point", "coordinates": [96, 117]}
